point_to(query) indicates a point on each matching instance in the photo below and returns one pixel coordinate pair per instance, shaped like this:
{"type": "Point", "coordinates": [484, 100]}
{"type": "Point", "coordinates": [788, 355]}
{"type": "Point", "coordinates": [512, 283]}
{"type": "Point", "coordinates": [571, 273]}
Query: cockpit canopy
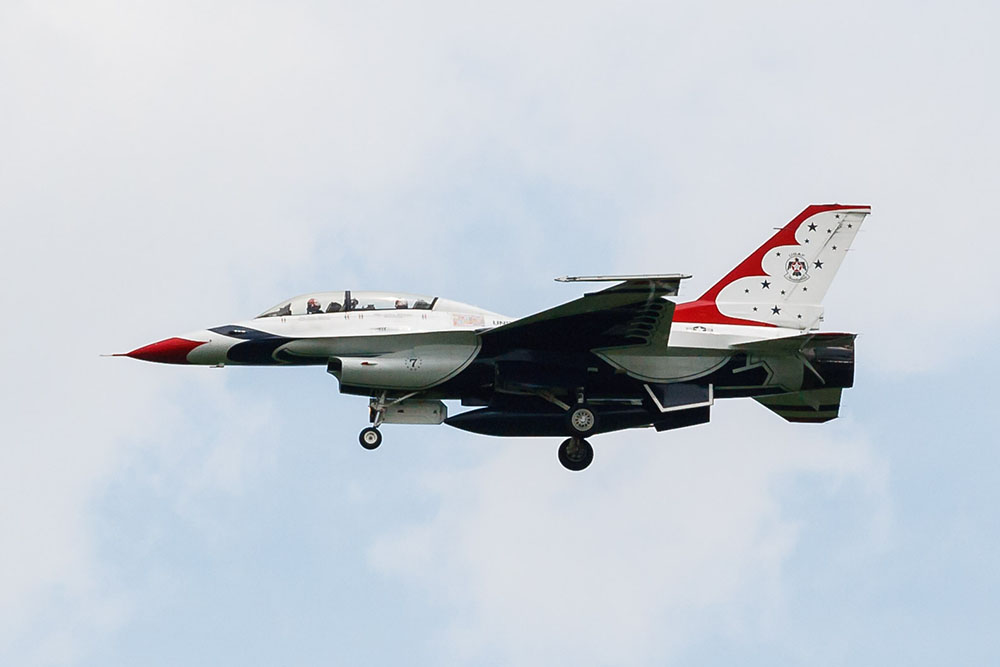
{"type": "Point", "coordinates": [346, 301]}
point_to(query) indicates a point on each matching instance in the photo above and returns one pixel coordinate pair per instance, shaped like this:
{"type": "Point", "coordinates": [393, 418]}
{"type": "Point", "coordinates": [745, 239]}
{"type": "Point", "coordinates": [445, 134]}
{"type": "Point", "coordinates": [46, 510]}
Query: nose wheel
{"type": "Point", "coordinates": [575, 454]}
{"type": "Point", "coordinates": [370, 438]}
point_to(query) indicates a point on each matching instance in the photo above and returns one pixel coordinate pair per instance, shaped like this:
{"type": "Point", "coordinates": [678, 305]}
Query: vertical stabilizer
{"type": "Point", "coordinates": [784, 281]}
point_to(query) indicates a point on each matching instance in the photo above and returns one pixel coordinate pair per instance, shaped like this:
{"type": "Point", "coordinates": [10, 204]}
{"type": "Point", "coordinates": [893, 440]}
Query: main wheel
{"type": "Point", "coordinates": [575, 454]}
{"type": "Point", "coordinates": [370, 438]}
{"type": "Point", "coordinates": [581, 420]}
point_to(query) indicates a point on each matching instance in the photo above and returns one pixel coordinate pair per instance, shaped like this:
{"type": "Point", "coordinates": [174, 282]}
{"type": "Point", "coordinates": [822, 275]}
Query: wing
{"type": "Point", "coordinates": [631, 312]}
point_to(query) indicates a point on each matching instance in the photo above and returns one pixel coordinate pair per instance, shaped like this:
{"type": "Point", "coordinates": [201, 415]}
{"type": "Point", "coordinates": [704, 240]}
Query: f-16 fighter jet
{"type": "Point", "coordinates": [623, 356]}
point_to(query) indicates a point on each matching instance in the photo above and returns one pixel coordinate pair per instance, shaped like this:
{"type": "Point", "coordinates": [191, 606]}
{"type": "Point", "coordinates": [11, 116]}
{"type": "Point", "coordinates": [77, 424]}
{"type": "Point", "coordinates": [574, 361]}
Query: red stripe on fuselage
{"type": "Point", "coordinates": [707, 312]}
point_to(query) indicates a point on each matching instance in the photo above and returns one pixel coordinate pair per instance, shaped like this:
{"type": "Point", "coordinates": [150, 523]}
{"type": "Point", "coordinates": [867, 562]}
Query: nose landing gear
{"type": "Point", "coordinates": [575, 454]}
{"type": "Point", "coordinates": [371, 437]}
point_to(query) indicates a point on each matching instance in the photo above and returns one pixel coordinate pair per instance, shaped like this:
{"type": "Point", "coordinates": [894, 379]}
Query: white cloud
{"type": "Point", "coordinates": [666, 541]}
{"type": "Point", "coordinates": [173, 165]}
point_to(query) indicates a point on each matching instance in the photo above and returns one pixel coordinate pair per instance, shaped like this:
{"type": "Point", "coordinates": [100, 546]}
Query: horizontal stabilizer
{"type": "Point", "coordinates": [813, 406]}
{"type": "Point", "coordinates": [792, 344]}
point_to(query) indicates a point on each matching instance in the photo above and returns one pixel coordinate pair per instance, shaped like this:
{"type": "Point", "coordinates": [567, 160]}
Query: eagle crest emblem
{"type": "Point", "coordinates": [797, 268]}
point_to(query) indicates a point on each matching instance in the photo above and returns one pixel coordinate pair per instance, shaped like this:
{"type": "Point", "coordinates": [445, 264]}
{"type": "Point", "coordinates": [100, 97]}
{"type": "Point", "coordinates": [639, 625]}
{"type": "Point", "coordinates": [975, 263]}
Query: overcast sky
{"type": "Point", "coordinates": [168, 166]}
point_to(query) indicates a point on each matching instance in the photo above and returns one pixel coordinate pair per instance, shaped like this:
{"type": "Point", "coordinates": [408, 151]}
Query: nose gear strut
{"type": "Point", "coordinates": [371, 437]}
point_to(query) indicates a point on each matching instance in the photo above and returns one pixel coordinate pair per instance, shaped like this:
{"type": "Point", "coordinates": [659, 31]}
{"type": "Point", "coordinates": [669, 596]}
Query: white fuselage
{"type": "Point", "coordinates": [359, 332]}
{"type": "Point", "coordinates": [415, 337]}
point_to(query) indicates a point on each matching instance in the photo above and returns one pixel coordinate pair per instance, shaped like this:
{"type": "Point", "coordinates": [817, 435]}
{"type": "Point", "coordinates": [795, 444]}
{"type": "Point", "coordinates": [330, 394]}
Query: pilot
{"type": "Point", "coordinates": [401, 304]}
{"type": "Point", "coordinates": [420, 304]}
{"type": "Point", "coordinates": [334, 307]}
{"type": "Point", "coordinates": [312, 306]}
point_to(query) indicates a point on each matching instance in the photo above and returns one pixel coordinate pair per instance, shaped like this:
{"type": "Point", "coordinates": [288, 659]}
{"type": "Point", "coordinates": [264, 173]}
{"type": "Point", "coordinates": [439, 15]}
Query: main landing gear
{"type": "Point", "coordinates": [575, 454]}
{"type": "Point", "coordinates": [370, 438]}
{"type": "Point", "coordinates": [581, 420]}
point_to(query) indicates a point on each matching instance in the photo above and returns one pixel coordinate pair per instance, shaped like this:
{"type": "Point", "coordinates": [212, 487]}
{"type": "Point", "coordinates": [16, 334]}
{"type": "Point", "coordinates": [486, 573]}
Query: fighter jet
{"type": "Point", "coordinates": [625, 356]}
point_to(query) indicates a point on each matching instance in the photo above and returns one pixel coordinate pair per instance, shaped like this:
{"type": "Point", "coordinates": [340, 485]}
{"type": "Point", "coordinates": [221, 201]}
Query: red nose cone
{"type": "Point", "coordinates": [169, 351]}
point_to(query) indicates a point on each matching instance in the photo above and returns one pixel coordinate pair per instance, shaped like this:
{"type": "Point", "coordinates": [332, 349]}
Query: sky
{"type": "Point", "coordinates": [168, 166]}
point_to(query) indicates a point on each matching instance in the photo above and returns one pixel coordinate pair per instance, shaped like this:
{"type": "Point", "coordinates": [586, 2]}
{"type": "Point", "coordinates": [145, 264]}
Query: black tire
{"type": "Point", "coordinates": [577, 457]}
{"type": "Point", "coordinates": [370, 438]}
{"type": "Point", "coordinates": [581, 420]}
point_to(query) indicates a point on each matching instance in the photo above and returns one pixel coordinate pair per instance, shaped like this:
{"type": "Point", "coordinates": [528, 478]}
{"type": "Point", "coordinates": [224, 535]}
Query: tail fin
{"type": "Point", "coordinates": [784, 281]}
